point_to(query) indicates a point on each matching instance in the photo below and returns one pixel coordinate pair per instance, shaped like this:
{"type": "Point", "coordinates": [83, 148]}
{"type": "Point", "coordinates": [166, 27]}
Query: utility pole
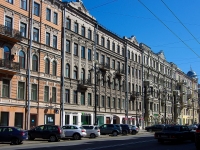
{"type": "Point", "coordinates": [29, 66]}
{"type": "Point", "coordinates": [126, 101]}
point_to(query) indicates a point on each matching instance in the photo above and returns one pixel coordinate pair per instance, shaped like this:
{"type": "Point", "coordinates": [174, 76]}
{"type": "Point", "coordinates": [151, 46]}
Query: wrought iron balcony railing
{"type": "Point", "coordinates": [120, 71]}
{"type": "Point", "coordinates": [9, 32]}
{"type": "Point", "coordinates": [8, 64]}
{"type": "Point", "coordinates": [104, 65]}
{"type": "Point", "coordinates": [85, 82]}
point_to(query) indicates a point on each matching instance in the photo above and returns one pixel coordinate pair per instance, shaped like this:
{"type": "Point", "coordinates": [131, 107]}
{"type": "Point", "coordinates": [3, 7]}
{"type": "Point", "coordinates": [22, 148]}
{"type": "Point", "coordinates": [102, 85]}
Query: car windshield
{"type": "Point", "coordinates": [171, 128]}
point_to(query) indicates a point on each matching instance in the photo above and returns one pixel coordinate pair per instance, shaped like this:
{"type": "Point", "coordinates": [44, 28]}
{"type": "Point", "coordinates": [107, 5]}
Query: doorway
{"type": "Point", "coordinates": [107, 120]}
{"type": "Point", "coordinates": [33, 120]}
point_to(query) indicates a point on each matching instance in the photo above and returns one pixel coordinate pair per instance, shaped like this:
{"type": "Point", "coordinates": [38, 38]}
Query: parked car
{"type": "Point", "coordinates": [13, 135]}
{"type": "Point", "coordinates": [152, 128]}
{"type": "Point", "coordinates": [193, 126]}
{"type": "Point", "coordinates": [52, 132]}
{"type": "Point", "coordinates": [74, 131]}
{"type": "Point", "coordinates": [175, 133]}
{"type": "Point", "coordinates": [92, 131]}
{"type": "Point", "coordinates": [197, 138]}
{"type": "Point", "coordinates": [134, 129]}
{"type": "Point", "coordinates": [113, 129]}
{"type": "Point", "coordinates": [126, 129]}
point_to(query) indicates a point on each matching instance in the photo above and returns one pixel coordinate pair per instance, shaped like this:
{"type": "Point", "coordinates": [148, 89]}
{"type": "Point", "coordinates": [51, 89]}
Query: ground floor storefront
{"type": "Point", "coordinates": [17, 116]}
{"type": "Point", "coordinates": [87, 118]}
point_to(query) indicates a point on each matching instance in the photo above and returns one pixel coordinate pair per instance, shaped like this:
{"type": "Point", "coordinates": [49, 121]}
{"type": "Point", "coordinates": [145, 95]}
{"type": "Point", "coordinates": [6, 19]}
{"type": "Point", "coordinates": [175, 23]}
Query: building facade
{"type": "Point", "coordinates": [69, 57]}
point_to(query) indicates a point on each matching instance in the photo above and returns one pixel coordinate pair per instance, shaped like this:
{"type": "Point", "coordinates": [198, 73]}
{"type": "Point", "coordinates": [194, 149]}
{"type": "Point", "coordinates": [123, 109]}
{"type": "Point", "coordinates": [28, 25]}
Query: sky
{"type": "Point", "coordinates": [169, 25]}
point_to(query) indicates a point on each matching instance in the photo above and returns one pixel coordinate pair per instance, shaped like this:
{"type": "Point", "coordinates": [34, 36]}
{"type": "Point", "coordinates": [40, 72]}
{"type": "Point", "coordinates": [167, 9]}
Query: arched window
{"type": "Point", "coordinates": [54, 68]}
{"type": "Point", "coordinates": [47, 64]}
{"type": "Point", "coordinates": [22, 59]}
{"type": "Point", "coordinates": [82, 74]}
{"type": "Point", "coordinates": [35, 63]}
{"type": "Point", "coordinates": [6, 53]}
{"type": "Point", "coordinates": [75, 72]}
{"type": "Point", "coordinates": [67, 71]}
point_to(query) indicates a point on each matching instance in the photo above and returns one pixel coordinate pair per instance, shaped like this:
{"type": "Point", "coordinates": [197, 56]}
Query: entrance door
{"type": "Point", "coordinates": [107, 120]}
{"type": "Point", "coordinates": [33, 120]}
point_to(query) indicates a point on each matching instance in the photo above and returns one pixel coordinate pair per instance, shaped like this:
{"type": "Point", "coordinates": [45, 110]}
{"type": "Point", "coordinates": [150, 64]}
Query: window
{"type": "Point", "coordinates": [48, 14]}
{"type": "Point", "coordinates": [89, 34]}
{"type": "Point", "coordinates": [23, 29]}
{"type": "Point", "coordinates": [97, 39]}
{"type": "Point", "coordinates": [82, 98]}
{"type": "Point", "coordinates": [35, 35]}
{"type": "Point", "coordinates": [76, 27]}
{"type": "Point", "coordinates": [113, 64]}
{"type": "Point", "coordinates": [82, 52]}
{"type": "Point", "coordinates": [113, 46]}
{"type": "Point", "coordinates": [97, 100]}
{"type": "Point", "coordinates": [9, 1]}
{"type": "Point", "coordinates": [89, 54]}
{"type": "Point", "coordinates": [21, 90]}
{"type": "Point", "coordinates": [83, 31]}
{"type": "Point", "coordinates": [108, 44]}
{"type": "Point", "coordinates": [24, 4]}
{"type": "Point", "coordinates": [54, 41]}
{"type": "Point", "coordinates": [67, 71]}
{"type": "Point", "coordinates": [75, 97]}
{"type": "Point", "coordinates": [97, 56]}
{"type": "Point", "coordinates": [89, 99]}
{"type": "Point", "coordinates": [118, 49]}
{"type": "Point", "coordinates": [103, 101]}
{"type": "Point", "coordinates": [67, 46]}
{"type": "Point", "coordinates": [53, 94]}
{"type": "Point", "coordinates": [46, 93]}
{"type": "Point", "coordinates": [108, 102]}
{"type": "Point", "coordinates": [75, 73]}
{"type": "Point", "coordinates": [113, 102]}
{"type": "Point", "coordinates": [47, 38]}
{"type": "Point", "coordinates": [34, 92]}
{"type": "Point", "coordinates": [8, 25]}
{"type": "Point", "coordinates": [6, 53]}
{"type": "Point", "coordinates": [54, 68]}
{"type": "Point", "coordinates": [119, 103]}
{"type": "Point", "coordinates": [102, 41]}
{"type": "Point", "coordinates": [68, 23]}
{"type": "Point", "coordinates": [55, 18]}
{"type": "Point", "coordinates": [35, 63]}
{"type": "Point", "coordinates": [22, 59]}
{"type": "Point", "coordinates": [49, 119]}
{"type": "Point", "coordinates": [47, 64]}
{"type": "Point", "coordinates": [19, 120]}
{"type": "Point", "coordinates": [67, 96]}
{"type": "Point", "coordinates": [4, 118]}
{"type": "Point", "coordinates": [75, 49]}
{"type": "Point", "coordinates": [102, 59]}
{"type": "Point", "coordinates": [36, 9]}
{"type": "Point", "coordinates": [6, 88]}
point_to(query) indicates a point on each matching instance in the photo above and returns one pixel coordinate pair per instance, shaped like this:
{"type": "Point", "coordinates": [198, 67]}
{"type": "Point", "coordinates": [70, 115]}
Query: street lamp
{"type": "Point", "coordinates": [165, 94]}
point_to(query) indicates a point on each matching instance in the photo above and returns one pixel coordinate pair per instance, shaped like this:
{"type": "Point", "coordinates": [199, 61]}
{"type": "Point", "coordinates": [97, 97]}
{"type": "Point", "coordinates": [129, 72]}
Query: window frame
{"type": "Point", "coordinates": [48, 14]}
{"type": "Point", "coordinates": [22, 90]}
{"type": "Point", "coordinates": [46, 93]}
{"type": "Point", "coordinates": [55, 18]}
{"type": "Point", "coordinates": [22, 6]}
{"type": "Point", "coordinates": [37, 13]}
{"type": "Point", "coordinates": [23, 30]}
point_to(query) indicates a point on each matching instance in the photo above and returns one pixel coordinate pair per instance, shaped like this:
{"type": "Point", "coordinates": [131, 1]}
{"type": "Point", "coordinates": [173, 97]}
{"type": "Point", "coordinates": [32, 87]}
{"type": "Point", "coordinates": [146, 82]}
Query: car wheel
{"type": "Point", "coordinates": [14, 141]}
{"type": "Point", "coordinates": [30, 137]}
{"type": "Point", "coordinates": [76, 136]}
{"type": "Point", "coordinates": [114, 133]}
{"type": "Point", "coordinates": [133, 132]}
{"type": "Point", "coordinates": [124, 132]}
{"type": "Point", "coordinates": [92, 135]}
{"type": "Point", "coordinates": [52, 138]}
{"type": "Point", "coordinates": [160, 141]}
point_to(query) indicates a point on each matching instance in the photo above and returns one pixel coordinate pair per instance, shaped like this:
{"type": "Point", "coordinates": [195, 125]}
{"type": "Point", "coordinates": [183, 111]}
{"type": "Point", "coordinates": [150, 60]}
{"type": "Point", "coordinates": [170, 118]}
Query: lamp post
{"type": "Point", "coordinates": [165, 94]}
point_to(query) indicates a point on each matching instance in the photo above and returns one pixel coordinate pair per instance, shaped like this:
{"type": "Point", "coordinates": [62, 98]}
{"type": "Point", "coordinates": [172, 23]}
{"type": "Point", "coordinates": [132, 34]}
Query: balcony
{"type": "Point", "coordinates": [120, 72]}
{"type": "Point", "coordinates": [104, 66]}
{"type": "Point", "coordinates": [10, 34]}
{"type": "Point", "coordinates": [9, 67]}
{"type": "Point", "coordinates": [84, 84]}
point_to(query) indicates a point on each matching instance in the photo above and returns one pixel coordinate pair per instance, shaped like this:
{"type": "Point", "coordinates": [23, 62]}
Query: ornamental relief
{"type": "Point", "coordinates": [9, 13]}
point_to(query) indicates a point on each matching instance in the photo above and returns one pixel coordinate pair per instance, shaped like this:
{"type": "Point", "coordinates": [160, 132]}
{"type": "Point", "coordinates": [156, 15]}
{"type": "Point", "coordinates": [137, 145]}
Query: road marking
{"type": "Point", "coordinates": [131, 143]}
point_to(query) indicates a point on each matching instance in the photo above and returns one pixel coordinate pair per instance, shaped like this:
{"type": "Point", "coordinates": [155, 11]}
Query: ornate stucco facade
{"type": "Point", "coordinates": [153, 83]}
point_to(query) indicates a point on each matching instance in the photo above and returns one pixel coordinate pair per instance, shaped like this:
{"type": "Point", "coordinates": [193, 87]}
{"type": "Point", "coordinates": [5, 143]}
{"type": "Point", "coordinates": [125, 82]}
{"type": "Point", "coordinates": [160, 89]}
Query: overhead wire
{"type": "Point", "coordinates": [102, 4]}
{"type": "Point", "coordinates": [180, 21]}
{"type": "Point", "coordinates": [169, 29]}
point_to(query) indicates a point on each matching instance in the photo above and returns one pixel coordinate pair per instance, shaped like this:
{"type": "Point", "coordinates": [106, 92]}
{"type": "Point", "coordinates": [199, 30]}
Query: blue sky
{"type": "Point", "coordinates": [180, 42]}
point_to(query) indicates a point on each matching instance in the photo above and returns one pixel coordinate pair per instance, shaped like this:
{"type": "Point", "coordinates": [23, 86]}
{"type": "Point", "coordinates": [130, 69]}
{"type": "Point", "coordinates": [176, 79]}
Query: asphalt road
{"type": "Point", "coordinates": [138, 142]}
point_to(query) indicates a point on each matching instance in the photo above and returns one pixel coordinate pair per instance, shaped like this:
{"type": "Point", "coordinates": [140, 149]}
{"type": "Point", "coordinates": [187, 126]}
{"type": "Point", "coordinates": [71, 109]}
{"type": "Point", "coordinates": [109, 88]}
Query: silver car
{"type": "Point", "coordinates": [74, 131]}
{"type": "Point", "coordinates": [92, 131]}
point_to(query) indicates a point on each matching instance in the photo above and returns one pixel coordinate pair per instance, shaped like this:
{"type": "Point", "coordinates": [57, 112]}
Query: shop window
{"type": "Point", "coordinates": [49, 119]}
{"type": "Point", "coordinates": [75, 120]}
{"type": "Point", "coordinates": [67, 117]}
{"type": "Point", "coordinates": [4, 118]}
{"type": "Point", "coordinates": [85, 119]}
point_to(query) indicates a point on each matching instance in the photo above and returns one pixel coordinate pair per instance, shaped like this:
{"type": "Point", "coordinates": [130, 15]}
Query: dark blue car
{"type": "Point", "coordinates": [13, 135]}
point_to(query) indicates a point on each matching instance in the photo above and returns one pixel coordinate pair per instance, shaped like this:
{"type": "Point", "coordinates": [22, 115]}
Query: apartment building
{"type": "Point", "coordinates": [45, 62]}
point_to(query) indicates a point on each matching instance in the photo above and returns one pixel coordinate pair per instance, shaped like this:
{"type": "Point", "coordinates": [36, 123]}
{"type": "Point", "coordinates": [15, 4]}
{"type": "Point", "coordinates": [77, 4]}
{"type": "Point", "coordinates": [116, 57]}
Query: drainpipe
{"type": "Point", "coordinates": [126, 102]}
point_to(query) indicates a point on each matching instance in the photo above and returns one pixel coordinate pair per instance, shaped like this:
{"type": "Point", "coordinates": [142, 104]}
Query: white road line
{"type": "Point", "coordinates": [132, 143]}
